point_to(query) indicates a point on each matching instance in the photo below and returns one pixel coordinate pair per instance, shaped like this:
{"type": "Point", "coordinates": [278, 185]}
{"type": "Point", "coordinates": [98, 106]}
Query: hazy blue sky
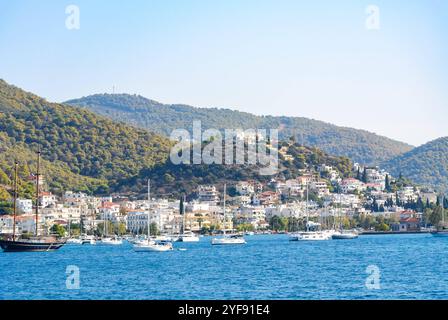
{"type": "Point", "coordinates": [314, 59]}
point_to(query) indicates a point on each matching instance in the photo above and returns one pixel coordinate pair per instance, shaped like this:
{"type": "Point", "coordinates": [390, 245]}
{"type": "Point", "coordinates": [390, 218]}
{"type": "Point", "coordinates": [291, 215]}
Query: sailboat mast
{"type": "Point", "coordinates": [149, 202]}
{"type": "Point", "coordinates": [224, 207]}
{"type": "Point", "coordinates": [16, 166]}
{"type": "Point", "coordinates": [306, 206]}
{"type": "Point", "coordinates": [37, 191]}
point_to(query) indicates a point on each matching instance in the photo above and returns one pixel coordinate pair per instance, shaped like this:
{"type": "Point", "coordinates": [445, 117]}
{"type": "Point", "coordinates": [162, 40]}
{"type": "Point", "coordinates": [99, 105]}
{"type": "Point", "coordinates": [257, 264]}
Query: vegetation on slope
{"type": "Point", "coordinates": [427, 164]}
{"type": "Point", "coordinates": [358, 145]}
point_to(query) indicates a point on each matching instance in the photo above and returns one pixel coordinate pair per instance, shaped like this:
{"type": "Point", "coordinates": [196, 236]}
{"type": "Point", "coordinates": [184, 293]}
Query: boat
{"type": "Point", "coordinates": [37, 243]}
{"type": "Point", "coordinates": [73, 241]}
{"type": "Point", "coordinates": [70, 239]}
{"type": "Point", "coordinates": [313, 229]}
{"type": "Point", "coordinates": [188, 237]}
{"type": "Point", "coordinates": [111, 241]}
{"type": "Point", "coordinates": [107, 240]}
{"type": "Point", "coordinates": [184, 236]}
{"type": "Point", "coordinates": [345, 235]}
{"type": "Point", "coordinates": [342, 234]}
{"type": "Point", "coordinates": [150, 245]}
{"type": "Point", "coordinates": [31, 245]}
{"type": "Point", "coordinates": [88, 240]}
{"type": "Point", "coordinates": [228, 239]}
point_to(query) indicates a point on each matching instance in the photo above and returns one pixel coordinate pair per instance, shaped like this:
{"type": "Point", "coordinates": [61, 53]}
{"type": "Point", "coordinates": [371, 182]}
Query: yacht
{"type": "Point", "coordinates": [188, 237]}
{"type": "Point", "coordinates": [88, 240]}
{"type": "Point", "coordinates": [73, 241]}
{"type": "Point", "coordinates": [342, 234]}
{"type": "Point", "coordinates": [111, 241]}
{"type": "Point", "coordinates": [313, 229]}
{"type": "Point", "coordinates": [312, 233]}
{"type": "Point", "coordinates": [345, 235]}
{"type": "Point", "coordinates": [228, 238]}
{"type": "Point", "coordinates": [151, 245]}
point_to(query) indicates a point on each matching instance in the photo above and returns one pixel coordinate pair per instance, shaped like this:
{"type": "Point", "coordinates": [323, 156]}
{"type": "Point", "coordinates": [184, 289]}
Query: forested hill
{"type": "Point", "coordinates": [80, 149]}
{"type": "Point", "coordinates": [85, 151]}
{"type": "Point", "coordinates": [427, 164]}
{"type": "Point", "coordinates": [359, 145]}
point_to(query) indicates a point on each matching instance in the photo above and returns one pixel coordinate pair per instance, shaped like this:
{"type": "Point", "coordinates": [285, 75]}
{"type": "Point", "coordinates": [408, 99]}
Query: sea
{"type": "Point", "coordinates": [267, 267]}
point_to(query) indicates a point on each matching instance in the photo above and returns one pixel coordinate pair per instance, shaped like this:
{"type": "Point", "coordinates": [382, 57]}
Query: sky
{"type": "Point", "coordinates": [385, 71]}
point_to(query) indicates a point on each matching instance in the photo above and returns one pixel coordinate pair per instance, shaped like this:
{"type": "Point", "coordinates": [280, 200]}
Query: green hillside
{"type": "Point", "coordinates": [85, 151]}
{"type": "Point", "coordinates": [427, 164]}
{"type": "Point", "coordinates": [358, 145]}
{"type": "Point", "coordinates": [80, 149]}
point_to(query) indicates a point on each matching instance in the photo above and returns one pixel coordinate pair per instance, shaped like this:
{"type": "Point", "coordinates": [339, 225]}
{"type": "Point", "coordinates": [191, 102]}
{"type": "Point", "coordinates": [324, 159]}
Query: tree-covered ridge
{"type": "Point", "coordinates": [359, 145]}
{"type": "Point", "coordinates": [74, 141]}
{"type": "Point", "coordinates": [169, 179]}
{"type": "Point", "coordinates": [427, 164]}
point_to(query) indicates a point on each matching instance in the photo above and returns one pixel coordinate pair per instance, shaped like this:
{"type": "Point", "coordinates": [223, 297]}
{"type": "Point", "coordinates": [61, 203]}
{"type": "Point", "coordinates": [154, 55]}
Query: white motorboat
{"type": "Point", "coordinates": [229, 239]}
{"type": "Point", "coordinates": [310, 236]}
{"type": "Point", "coordinates": [188, 237]}
{"type": "Point", "coordinates": [73, 241]}
{"type": "Point", "coordinates": [149, 246]}
{"type": "Point", "coordinates": [345, 235]}
{"type": "Point", "coordinates": [111, 241]}
{"type": "Point", "coordinates": [88, 240]}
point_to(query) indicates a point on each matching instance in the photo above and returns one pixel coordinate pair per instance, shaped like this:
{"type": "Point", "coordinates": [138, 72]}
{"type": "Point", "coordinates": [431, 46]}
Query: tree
{"type": "Point", "coordinates": [58, 230]}
{"type": "Point", "coordinates": [154, 229]}
{"type": "Point", "coordinates": [436, 216]}
{"type": "Point", "coordinates": [364, 175]}
{"type": "Point", "coordinates": [388, 187]}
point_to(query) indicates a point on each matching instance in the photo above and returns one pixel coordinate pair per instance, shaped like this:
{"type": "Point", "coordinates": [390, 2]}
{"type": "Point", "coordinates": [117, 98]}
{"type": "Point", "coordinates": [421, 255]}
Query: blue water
{"type": "Point", "coordinates": [268, 267]}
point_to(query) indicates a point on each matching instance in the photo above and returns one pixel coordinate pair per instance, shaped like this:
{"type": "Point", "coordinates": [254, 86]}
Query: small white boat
{"type": "Point", "coordinates": [111, 241]}
{"type": "Point", "coordinates": [250, 233]}
{"type": "Point", "coordinates": [88, 240]}
{"type": "Point", "coordinates": [151, 246]}
{"type": "Point", "coordinates": [229, 239]}
{"type": "Point", "coordinates": [345, 235]}
{"type": "Point", "coordinates": [310, 236]}
{"type": "Point", "coordinates": [73, 241]}
{"type": "Point", "coordinates": [188, 237]}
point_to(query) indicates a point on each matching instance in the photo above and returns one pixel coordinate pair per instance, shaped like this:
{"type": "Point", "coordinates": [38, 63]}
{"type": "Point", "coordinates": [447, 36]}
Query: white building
{"type": "Point", "coordinates": [24, 206]}
{"type": "Point", "coordinates": [208, 194]}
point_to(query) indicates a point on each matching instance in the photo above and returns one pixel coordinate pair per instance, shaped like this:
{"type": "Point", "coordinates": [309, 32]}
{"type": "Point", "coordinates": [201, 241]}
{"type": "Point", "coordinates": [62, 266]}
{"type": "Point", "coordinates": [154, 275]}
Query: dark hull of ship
{"type": "Point", "coordinates": [30, 246]}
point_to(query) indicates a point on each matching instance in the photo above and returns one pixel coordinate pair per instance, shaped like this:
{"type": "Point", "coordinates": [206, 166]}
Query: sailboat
{"type": "Point", "coordinates": [72, 240]}
{"type": "Point", "coordinates": [228, 238]}
{"type": "Point", "coordinates": [186, 236]}
{"type": "Point", "coordinates": [150, 245]}
{"type": "Point", "coordinates": [114, 241]}
{"type": "Point", "coordinates": [441, 232]}
{"type": "Point", "coordinates": [313, 230]}
{"type": "Point", "coordinates": [36, 243]}
{"type": "Point", "coordinates": [342, 234]}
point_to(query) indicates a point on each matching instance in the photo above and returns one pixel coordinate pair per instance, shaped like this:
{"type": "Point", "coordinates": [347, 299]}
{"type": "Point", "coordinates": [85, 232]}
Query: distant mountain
{"type": "Point", "coordinates": [427, 164]}
{"type": "Point", "coordinates": [359, 145]}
